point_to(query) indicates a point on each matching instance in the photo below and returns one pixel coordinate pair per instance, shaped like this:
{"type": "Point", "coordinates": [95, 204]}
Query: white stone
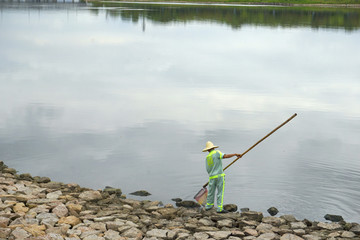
{"type": "Point", "coordinates": [330, 226]}
{"type": "Point", "coordinates": [298, 225]}
{"type": "Point", "coordinates": [158, 233]}
{"type": "Point", "coordinates": [90, 195]}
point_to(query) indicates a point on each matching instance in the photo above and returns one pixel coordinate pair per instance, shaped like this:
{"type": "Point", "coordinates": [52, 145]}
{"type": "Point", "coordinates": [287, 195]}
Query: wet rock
{"type": "Point", "coordinates": [26, 176]}
{"type": "Point", "coordinates": [273, 211]}
{"type": "Point", "coordinates": [244, 210]}
{"type": "Point", "coordinates": [230, 207]}
{"type": "Point", "coordinates": [176, 199]}
{"type": "Point", "coordinates": [188, 204]}
{"type": "Point", "coordinates": [141, 193]}
{"type": "Point", "coordinates": [111, 190]}
{"type": "Point", "coordinates": [289, 218]}
{"type": "Point", "coordinates": [333, 218]}
{"type": "Point", "coordinates": [252, 215]}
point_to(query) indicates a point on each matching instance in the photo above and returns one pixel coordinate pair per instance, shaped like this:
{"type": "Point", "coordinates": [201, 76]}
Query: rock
{"type": "Point", "coordinates": [230, 207]}
{"type": "Point", "coordinates": [35, 230]}
{"type": "Point", "coordinates": [311, 237]}
{"type": "Point", "coordinates": [141, 193]}
{"type": "Point", "coordinates": [188, 204]}
{"type": "Point", "coordinates": [333, 218]}
{"type": "Point", "coordinates": [20, 233]}
{"type": "Point", "coordinates": [71, 220]}
{"type": "Point", "coordinates": [289, 218]}
{"type": "Point", "coordinates": [225, 223]}
{"type": "Point", "coordinates": [355, 229]}
{"type": "Point", "coordinates": [289, 236]}
{"type": "Point", "coordinates": [268, 236]}
{"type": "Point", "coordinates": [90, 196]}
{"type": "Point", "coordinates": [4, 222]}
{"type": "Point", "coordinates": [219, 234]}
{"type": "Point", "coordinates": [297, 225]}
{"type": "Point", "coordinates": [158, 233]}
{"type": "Point", "coordinates": [54, 195]}
{"type": "Point", "coordinates": [273, 211]}
{"type": "Point", "coordinates": [251, 215]}
{"type": "Point", "coordinates": [330, 226]}
{"type": "Point", "coordinates": [5, 233]}
{"type": "Point", "coordinates": [93, 237]}
{"type": "Point", "coordinates": [201, 236]}
{"type": "Point", "coordinates": [60, 210]}
{"type": "Point", "coordinates": [347, 234]}
{"type": "Point", "coordinates": [264, 228]}
{"type": "Point", "coordinates": [251, 232]}
{"type": "Point", "coordinates": [273, 221]}
{"type": "Point", "coordinates": [20, 208]}
{"type": "Point", "coordinates": [112, 235]}
{"type": "Point", "coordinates": [176, 199]}
{"type": "Point", "coordinates": [42, 179]}
{"type": "Point", "coordinates": [244, 210]}
{"type": "Point", "coordinates": [111, 190]}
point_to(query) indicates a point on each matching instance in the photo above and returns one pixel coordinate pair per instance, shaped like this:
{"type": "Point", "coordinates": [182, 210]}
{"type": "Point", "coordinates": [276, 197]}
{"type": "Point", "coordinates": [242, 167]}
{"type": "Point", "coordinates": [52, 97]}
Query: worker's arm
{"type": "Point", "coordinates": [232, 155]}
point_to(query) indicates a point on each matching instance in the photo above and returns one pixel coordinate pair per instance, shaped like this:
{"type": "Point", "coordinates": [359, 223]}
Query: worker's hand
{"type": "Point", "coordinates": [238, 155]}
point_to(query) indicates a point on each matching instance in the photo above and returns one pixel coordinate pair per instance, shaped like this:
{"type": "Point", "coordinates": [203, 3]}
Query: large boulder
{"type": "Point", "coordinates": [333, 218]}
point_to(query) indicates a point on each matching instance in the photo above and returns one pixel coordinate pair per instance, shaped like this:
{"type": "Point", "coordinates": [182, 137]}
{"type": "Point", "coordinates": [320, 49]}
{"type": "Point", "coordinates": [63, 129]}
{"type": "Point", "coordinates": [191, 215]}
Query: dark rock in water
{"type": "Point", "coordinates": [273, 211]}
{"type": "Point", "coordinates": [333, 218]}
{"type": "Point", "coordinates": [176, 199]}
{"type": "Point", "coordinates": [244, 209]}
{"type": "Point", "coordinates": [188, 204]}
{"type": "Point", "coordinates": [111, 190]}
{"type": "Point", "coordinates": [230, 207]}
{"type": "Point", "coordinates": [141, 193]}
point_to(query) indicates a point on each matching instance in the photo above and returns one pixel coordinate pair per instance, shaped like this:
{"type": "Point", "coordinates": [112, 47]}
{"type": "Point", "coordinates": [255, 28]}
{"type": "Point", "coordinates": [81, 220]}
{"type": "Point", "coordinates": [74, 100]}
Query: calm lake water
{"type": "Point", "coordinates": [126, 95]}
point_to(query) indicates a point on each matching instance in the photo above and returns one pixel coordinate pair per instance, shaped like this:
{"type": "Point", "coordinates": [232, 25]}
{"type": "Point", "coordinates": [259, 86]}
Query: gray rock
{"type": "Point", "coordinates": [93, 237]}
{"type": "Point", "coordinates": [20, 233]}
{"type": "Point", "coordinates": [4, 233]}
{"type": "Point", "coordinates": [230, 207]}
{"type": "Point", "coordinates": [176, 199]}
{"type": "Point", "coordinates": [355, 229]}
{"type": "Point", "coordinates": [188, 204]}
{"type": "Point", "coordinates": [158, 233]}
{"type": "Point", "coordinates": [244, 210]}
{"type": "Point", "coordinates": [90, 196]}
{"type": "Point", "coordinates": [333, 218]}
{"type": "Point", "coordinates": [42, 179]}
{"type": "Point", "coordinates": [201, 236]}
{"type": "Point", "coordinates": [60, 210]}
{"type": "Point", "coordinates": [26, 176]}
{"type": "Point", "coordinates": [275, 221]}
{"type": "Point", "coordinates": [330, 226]}
{"type": "Point", "coordinates": [251, 215]}
{"type": "Point", "coordinates": [218, 235]}
{"type": "Point", "coordinates": [111, 190]}
{"type": "Point", "coordinates": [347, 234]}
{"type": "Point", "coordinates": [268, 236]}
{"type": "Point", "coordinates": [141, 193]}
{"type": "Point", "coordinates": [289, 218]}
{"type": "Point", "coordinates": [112, 235]}
{"type": "Point", "coordinates": [273, 211]}
{"type": "Point", "coordinates": [289, 236]}
{"type": "Point", "coordinates": [297, 225]}
{"type": "Point", "coordinates": [225, 223]}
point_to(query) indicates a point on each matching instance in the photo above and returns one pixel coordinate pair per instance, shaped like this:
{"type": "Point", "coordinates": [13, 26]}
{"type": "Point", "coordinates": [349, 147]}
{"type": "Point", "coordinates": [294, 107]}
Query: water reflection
{"type": "Point", "coordinates": [89, 97]}
{"type": "Point", "coordinates": [235, 16]}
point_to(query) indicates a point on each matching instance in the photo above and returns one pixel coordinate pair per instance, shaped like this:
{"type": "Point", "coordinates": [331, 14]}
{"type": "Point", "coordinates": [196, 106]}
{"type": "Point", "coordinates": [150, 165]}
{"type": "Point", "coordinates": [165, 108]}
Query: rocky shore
{"type": "Point", "coordinates": [37, 208]}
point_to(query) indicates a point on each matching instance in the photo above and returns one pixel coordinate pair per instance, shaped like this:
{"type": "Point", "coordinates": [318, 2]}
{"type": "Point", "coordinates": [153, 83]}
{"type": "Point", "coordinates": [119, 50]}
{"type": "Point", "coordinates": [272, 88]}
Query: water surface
{"type": "Point", "coordinates": [126, 95]}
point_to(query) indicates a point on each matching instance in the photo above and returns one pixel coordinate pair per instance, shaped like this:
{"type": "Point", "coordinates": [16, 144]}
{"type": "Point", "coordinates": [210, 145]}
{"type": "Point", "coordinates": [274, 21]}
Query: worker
{"type": "Point", "coordinates": [216, 176]}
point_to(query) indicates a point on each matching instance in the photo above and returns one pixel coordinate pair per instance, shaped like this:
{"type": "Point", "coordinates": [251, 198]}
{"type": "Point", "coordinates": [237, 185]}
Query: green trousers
{"type": "Point", "coordinates": [216, 183]}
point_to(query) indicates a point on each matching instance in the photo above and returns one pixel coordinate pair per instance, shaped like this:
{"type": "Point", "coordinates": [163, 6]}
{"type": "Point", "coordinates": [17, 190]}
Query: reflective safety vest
{"type": "Point", "coordinates": [214, 163]}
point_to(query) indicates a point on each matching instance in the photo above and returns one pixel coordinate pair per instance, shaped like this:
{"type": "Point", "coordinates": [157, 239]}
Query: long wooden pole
{"type": "Point", "coordinates": [257, 143]}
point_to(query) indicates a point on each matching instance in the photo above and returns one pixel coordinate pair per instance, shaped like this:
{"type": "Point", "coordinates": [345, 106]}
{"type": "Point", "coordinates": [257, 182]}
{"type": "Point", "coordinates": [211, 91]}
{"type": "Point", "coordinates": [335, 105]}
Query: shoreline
{"type": "Point", "coordinates": [229, 3]}
{"type": "Point", "coordinates": [37, 208]}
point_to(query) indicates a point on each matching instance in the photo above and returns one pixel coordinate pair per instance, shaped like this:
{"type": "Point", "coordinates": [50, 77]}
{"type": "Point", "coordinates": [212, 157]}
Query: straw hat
{"type": "Point", "coordinates": [209, 145]}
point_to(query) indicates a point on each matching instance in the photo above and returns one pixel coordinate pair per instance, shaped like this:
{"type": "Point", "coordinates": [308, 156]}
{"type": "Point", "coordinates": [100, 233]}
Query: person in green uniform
{"type": "Point", "coordinates": [216, 176]}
